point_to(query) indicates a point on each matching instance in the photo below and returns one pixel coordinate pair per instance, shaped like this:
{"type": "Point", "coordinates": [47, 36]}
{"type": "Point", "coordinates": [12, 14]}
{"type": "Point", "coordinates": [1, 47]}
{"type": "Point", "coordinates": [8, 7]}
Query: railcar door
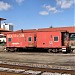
{"type": "Point", "coordinates": [55, 39]}
{"type": "Point", "coordinates": [65, 39]}
{"type": "Point", "coordinates": [51, 40]}
{"type": "Point", "coordinates": [30, 40]}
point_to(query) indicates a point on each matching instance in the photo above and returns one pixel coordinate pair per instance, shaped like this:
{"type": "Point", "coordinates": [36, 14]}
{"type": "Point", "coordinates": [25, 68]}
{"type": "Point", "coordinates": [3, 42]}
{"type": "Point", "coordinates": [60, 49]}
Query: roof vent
{"type": "Point", "coordinates": [21, 30]}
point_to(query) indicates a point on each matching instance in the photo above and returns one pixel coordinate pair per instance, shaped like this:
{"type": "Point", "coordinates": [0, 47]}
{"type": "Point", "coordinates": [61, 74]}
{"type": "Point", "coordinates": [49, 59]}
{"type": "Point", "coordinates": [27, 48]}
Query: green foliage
{"type": "Point", "coordinates": [2, 43]}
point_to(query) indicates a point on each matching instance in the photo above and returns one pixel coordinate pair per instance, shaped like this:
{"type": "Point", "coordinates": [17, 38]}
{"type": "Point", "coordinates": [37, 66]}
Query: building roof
{"type": "Point", "coordinates": [62, 29]}
{"type": "Point", "coordinates": [20, 31]}
{"type": "Point", "coordinates": [2, 19]}
{"type": "Point", "coordinates": [3, 30]}
{"type": "Point", "coordinates": [29, 30]}
{"type": "Point", "coordinates": [70, 29]}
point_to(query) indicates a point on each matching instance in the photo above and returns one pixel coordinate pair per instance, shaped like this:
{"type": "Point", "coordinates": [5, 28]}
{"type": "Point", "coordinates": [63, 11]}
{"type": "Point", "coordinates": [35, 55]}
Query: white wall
{"type": "Point", "coordinates": [7, 26]}
{"type": "Point", "coordinates": [2, 38]}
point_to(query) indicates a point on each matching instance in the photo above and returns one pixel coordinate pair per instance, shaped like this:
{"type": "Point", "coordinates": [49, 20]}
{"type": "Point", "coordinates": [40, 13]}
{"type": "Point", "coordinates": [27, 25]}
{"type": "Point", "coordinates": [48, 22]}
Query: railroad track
{"type": "Point", "coordinates": [7, 69]}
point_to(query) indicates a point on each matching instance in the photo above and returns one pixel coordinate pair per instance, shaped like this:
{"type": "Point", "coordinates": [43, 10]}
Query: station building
{"type": "Point", "coordinates": [3, 36]}
{"type": "Point", "coordinates": [4, 29]}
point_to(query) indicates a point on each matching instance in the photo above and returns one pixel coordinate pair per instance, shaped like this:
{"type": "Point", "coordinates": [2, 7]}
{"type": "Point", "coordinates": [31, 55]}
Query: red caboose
{"type": "Point", "coordinates": [54, 41]}
{"type": "Point", "coordinates": [21, 39]}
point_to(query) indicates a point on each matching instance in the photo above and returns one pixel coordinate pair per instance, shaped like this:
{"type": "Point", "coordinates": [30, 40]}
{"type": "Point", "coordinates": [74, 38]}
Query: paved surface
{"type": "Point", "coordinates": [44, 58]}
{"type": "Point", "coordinates": [2, 48]}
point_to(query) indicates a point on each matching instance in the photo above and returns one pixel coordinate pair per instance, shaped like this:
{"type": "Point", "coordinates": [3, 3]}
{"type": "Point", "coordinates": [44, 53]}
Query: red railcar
{"type": "Point", "coordinates": [48, 39]}
{"type": "Point", "coordinates": [21, 39]}
{"type": "Point", "coordinates": [53, 40]}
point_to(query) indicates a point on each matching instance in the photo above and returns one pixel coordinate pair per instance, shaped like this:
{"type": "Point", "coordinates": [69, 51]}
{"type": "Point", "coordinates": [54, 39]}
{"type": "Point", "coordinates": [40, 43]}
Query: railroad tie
{"type": "Point", "coordinates": [29, 72]}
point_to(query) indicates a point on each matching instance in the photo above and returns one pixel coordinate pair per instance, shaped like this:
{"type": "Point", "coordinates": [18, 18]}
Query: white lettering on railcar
{"type": "Point", "coordinates": [15, 35]}
{"type": "Point", "coordinates": [15, 43]}
{"type": "Point", "coordinates": [9, 36]}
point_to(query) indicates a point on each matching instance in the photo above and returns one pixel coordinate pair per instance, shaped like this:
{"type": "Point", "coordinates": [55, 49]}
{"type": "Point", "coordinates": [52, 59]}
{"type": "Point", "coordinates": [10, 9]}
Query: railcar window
{"type": "Point", "coordinates": [56, 38]}
{"type": "Point", "coordinates": [9, 39]}
{"type": "Point", "coordinates": [30, 39]}
{"type": "Point", "coordinates": [34, 38]}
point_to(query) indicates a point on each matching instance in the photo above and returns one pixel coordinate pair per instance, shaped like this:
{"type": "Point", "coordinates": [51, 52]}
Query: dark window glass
{"type": "Point", "coordinates": [55, 38]}
{"type": "Point", "coordinates": [9, 39]}
{"type": "Point", "coordinates": [29, 39]}
{"type": "Point", "coordinates": [35, 38]}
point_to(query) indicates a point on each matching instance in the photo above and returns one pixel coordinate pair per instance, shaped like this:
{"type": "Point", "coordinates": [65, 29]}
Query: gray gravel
{"type": "Point", "coordinates": [43, 60]}
{"type": "Point", "coordinates": [30, 72]}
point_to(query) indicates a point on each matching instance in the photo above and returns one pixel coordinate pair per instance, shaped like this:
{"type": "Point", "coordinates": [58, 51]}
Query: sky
{"type": "Point", "coordinates": [34, 14]}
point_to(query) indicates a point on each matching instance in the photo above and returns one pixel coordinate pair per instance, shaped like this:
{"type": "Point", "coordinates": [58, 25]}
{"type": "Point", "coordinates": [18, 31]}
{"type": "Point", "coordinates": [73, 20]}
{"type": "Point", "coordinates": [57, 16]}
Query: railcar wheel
{"type": "Point", "coordinates": [13, 49]}
{"type": "Point", "coordinates": [49, 50]}
{"type": "Point", "coordinates": [68, 50]}
{"type": "Point", "coordinates": [71, 51]}
{"type": "Point", "coordinates": [7, 50]}
{"type": "Point", "coordinates": [55, 50]}
{"type": "Point", "coordinates": [74, 51]}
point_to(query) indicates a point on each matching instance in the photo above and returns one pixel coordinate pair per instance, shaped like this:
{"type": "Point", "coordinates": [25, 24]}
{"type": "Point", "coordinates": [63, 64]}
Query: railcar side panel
{"type": "Point", "coordinates": [30, 39]}
{"type": "Point", "coordinates": [15, 40]}
{"type": "Point", "coordinates": [49, 39]}
{"type": "Point", "coordinates": [21, 40]}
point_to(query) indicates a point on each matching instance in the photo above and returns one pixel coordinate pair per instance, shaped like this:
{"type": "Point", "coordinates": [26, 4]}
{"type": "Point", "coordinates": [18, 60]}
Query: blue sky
{"type": "Point", "coordinates": [33, 14]}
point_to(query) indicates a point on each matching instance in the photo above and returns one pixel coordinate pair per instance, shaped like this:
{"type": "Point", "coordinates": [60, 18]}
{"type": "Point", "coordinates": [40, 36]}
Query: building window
{"type": "Point", "coordinates": [72, 37]}
{"type": "Point", "coordinates": [30, 39]}
{"type": "Point", "coordinates": [9, 39]}
{"type": "Point", "coordinates": [56, 38]}
{"type": "Point", "coordinates": [34, 38]}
